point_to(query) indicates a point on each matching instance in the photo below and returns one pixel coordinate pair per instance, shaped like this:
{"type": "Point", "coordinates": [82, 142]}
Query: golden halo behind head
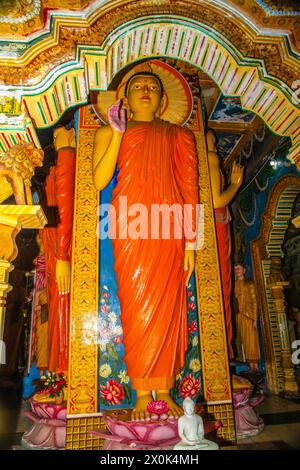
{"type": "Point", "coordinates": [177, 99]}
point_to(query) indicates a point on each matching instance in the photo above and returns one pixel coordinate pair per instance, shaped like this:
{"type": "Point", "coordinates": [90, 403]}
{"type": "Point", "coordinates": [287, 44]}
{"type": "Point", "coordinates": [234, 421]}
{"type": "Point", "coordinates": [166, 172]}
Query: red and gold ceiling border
{"type": "Point", "coordinates": [28, 17]}
{"type": "Point", "coordinates": [176, 38]}
{"type": "Point", "coordinates": [30, 60]}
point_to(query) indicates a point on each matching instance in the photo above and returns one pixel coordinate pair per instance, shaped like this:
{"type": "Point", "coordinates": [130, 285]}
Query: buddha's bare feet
{"type": "Point", "coordinates": [140, 410]}
{"type": "Point", "coordinates": [174, 409]}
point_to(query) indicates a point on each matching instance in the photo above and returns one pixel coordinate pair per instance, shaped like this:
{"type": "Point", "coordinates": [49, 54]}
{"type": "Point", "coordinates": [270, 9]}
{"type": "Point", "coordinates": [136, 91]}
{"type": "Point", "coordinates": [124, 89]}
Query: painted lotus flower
{"type": "Point", "coordinates": [112, 392]}
{"type": "Point", "coordinates": [192, 327]}
{"type": "Point", "coordinates": [158, 407]}
{"type": "Point", "coordinates": [191, 305]}
{"type": "Point", "coordinates": [118, 340]}
{"type": "Point", "coordinates": [189, 386]}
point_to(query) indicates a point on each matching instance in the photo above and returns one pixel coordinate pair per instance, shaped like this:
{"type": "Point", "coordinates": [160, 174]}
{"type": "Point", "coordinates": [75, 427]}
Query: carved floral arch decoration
{"type": "Point", "coordinates": [172, 37]}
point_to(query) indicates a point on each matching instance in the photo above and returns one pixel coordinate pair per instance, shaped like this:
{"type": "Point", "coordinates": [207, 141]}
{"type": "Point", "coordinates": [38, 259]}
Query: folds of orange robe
{"type": "Point", "coordinates": [57, 242]}
{"type": "Point", "coordinates": [157, 164]}
{"type": "Point", "coordinates": [222, 219]}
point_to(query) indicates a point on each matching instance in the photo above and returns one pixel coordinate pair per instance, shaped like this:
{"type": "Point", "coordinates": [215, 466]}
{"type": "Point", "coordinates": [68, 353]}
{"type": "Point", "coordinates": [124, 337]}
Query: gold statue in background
{"type": "Point", "coordinates": [247, 316]}
{"type": "Point", "coordinates": [17, 168]}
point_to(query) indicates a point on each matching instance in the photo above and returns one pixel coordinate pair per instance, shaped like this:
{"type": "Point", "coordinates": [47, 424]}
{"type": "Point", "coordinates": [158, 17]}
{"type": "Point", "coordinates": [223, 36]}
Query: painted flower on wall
{"type": "Point", "coordinates": [104, 309]}
{"type": "Point", "coordinates": [192, 328]}
{"type": "Point", "coordinates": [124, 379]}
{"type": "Point", "coordinates": [188, 379]}
{"type": "Point", "coordinates": [192, 306]}
{"type": "Point", "coordinates": [189, 386]}
{"type": "Point", "coordinates": [112, 392]}
{"type": "Point", "coordinates": [118, 340]}
{"type": "Point", "coordinates": [114, 384]}
{"type": "Point", "coordinates": [105, 370]}
{"type": "Point", "coordinates": [195, 365]}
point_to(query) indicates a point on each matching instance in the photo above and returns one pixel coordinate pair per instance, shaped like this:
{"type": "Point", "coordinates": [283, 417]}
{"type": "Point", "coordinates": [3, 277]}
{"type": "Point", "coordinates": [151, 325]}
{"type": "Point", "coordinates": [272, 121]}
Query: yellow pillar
{"type": "Point", "coordinates": [214, 353]}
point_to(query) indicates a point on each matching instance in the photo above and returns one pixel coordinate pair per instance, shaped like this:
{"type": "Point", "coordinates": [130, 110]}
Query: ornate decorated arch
{"type": "Point", "coordinates": [54, 69]}
{"type": "Point", "coordinates": [267, 249]}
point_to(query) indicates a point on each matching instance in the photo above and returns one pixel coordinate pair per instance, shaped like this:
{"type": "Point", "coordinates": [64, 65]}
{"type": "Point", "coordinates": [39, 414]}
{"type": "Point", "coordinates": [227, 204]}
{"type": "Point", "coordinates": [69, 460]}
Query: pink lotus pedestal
{"type": "Point", "coordinates": [247, 421]}
{"type": "Point", "coordinates": [49, 426]}
{"type": "Point", "coordinates": [142, 435]}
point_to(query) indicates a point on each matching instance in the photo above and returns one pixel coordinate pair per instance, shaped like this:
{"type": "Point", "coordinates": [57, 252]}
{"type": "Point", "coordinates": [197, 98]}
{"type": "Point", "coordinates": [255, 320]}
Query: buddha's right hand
{"type": "Point", "coordinates": [63, 276]}
{"type": "Point", "coordinates": [117, 117]}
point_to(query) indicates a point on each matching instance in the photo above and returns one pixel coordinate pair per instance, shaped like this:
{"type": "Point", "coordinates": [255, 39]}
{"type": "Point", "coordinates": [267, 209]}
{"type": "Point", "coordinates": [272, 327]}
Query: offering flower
{"type": "Point", "coordinates": [53, 383]}
{"type": "Point", "coordinates": [158, 407]}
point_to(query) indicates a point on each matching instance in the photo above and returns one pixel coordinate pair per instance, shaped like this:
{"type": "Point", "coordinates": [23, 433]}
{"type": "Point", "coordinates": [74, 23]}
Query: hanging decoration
{"type": "Point", "coordinates": [252, 222]}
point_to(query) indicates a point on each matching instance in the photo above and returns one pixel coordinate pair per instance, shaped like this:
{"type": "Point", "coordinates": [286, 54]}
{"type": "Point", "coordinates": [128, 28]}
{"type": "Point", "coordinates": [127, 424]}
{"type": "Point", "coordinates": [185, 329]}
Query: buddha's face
{"type": "Point", "coordinates": [188, 406]}
{"type": "Point", "coordinates": [144, 94]}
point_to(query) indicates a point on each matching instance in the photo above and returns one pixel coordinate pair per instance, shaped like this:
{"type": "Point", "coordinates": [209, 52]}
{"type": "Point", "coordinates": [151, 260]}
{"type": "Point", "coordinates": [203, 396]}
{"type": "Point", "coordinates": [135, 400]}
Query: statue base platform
{"type": "Point", "coordinates": [49, 426]}
{"type": "Point", "coordinates": [114, 442]}
{"type": "Point", "coordinates": [144, 435]}
{"type": "Point", "coordinates": [203, 445]}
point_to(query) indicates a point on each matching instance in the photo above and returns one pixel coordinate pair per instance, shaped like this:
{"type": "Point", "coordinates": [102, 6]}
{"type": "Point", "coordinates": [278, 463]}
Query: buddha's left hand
{"type": "Point", "coordinates": [189, 264]}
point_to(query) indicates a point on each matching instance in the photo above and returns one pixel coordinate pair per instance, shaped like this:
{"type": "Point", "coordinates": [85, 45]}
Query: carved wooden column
{"type": "Point", "coordinates": [289, 382]}
{"type": "Point", "coordinates": [213, 338]}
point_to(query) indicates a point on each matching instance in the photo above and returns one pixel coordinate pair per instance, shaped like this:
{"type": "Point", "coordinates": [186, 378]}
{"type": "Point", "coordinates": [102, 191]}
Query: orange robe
{"type": "Point", "coordinates": [222, 219]}
{"type": "Point", "coordinates": [57, 243]}
{"type": "Point", "coordinates": [157, 164]}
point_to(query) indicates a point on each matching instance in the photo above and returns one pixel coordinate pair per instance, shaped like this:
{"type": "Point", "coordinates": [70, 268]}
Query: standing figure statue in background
{"type": "Point", "coordinates": [57, 242]}
{"type": "Point", "coordinates": [221, 199]}
{"type": "Point", "coordinates": [40, 310]}
{"type": "Point", "coordinates": [157, 164]}
{"type": "Point", "coordinates": [247, 316]}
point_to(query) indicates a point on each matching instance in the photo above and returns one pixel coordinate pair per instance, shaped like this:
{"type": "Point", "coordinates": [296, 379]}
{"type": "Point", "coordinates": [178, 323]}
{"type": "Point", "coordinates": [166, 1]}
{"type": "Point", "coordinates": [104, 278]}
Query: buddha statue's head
{"type": "Point", "coordinates": [188, 406]}
{"type": "Point", "coordinates": [239, 272]}
{"type": "Point", "coordinates": [63, 137]}
{"type": "Point", "coordinates": [143, 94]}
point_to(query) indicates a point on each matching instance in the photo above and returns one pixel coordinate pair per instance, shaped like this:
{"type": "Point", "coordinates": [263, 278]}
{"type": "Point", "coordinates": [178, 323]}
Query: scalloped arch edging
{"type": "Point", "coordinates": [178, 38]}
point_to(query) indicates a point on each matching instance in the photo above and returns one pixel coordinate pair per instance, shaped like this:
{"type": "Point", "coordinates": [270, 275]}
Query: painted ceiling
{"type": "Point", "coordinates": [38, 37]}
{"type": "Point", "coordinates": [258, 28]}
{"type": "Point", "coordinates": [23, 17]}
